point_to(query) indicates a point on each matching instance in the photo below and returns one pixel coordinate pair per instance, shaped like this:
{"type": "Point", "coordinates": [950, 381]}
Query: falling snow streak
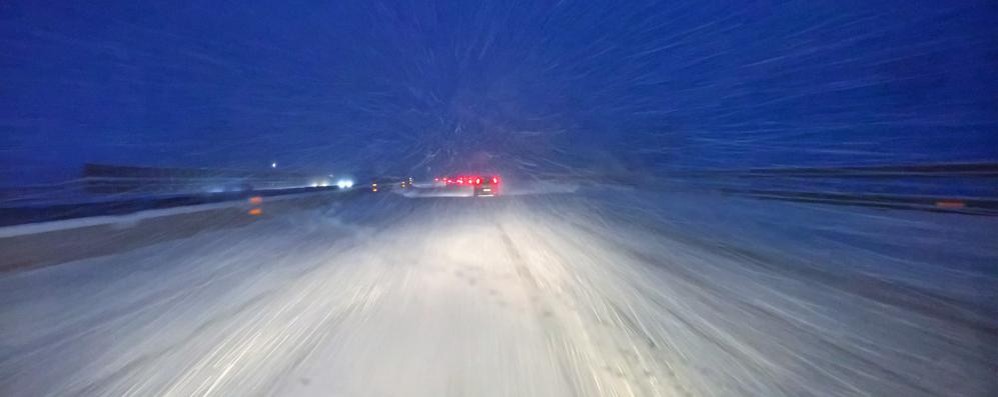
{"type": "Point", "coordinates": [540, 87]}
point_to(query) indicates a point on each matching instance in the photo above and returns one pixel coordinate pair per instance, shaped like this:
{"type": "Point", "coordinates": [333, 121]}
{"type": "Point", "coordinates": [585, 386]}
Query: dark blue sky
{"type": "Point", "coordinates": [376, 86]}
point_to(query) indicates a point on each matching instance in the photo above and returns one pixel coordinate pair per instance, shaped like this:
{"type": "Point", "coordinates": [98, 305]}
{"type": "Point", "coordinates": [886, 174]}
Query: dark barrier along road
{"type": "Point", "coordinates": [41, 245]}
{"type": "Point", "coordinates": [43, 213]}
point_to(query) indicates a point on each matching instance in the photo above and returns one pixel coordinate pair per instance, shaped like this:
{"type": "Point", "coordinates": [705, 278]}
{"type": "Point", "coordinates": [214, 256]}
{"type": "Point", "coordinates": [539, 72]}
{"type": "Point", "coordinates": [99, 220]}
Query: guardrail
{"type": "Point", "coordinates": [964, 188]}
{"type": "Point", "coordinates": [115, 227]}
{"type": "Point", "coordinates": [981, 169]}
{"type": "Point", "coordinates": [15, 215]}
{"type": "Point", "coordinates": [968, 206]}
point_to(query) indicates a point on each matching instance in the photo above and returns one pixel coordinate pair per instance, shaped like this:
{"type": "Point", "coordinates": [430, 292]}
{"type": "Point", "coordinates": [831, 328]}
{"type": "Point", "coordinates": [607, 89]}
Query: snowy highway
{"type": "Point", "coordinates": [499, 198]}
{"type": "Point", "coordinates": [600, 293]}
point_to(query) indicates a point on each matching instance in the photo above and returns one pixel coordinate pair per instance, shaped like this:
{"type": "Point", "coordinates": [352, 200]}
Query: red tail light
{"type": "Point", "coordinates": [495, 179]}
{"type": "Point", "coordinates": [478, 181]}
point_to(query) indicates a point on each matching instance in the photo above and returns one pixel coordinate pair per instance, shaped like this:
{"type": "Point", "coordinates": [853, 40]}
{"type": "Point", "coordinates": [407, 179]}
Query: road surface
{"type": "Point", "coordinates": [602, 294]}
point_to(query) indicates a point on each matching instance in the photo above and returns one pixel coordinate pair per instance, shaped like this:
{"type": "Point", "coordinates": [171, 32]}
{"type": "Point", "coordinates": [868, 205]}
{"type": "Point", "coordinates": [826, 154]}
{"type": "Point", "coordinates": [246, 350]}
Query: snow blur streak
{"type": "Point", "coordinates": [581, 294]}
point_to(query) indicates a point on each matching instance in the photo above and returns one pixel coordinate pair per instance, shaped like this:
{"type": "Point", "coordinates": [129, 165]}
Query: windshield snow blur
{"type": "Point", "coordinates": [499, 198]}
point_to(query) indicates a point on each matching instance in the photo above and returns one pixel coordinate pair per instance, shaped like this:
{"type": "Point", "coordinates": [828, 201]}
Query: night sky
{"type": "Point", "coordinates": [519, 86]}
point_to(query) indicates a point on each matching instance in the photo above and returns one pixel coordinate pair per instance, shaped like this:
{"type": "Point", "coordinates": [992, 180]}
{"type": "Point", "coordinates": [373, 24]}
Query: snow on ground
{"type": "Point", "coordinates": [594, 293]}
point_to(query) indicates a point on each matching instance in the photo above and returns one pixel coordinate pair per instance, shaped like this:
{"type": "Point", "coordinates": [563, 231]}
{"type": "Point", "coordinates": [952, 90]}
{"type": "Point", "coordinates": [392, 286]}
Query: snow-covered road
{"type": "Point", "coordinates": [606, 294]}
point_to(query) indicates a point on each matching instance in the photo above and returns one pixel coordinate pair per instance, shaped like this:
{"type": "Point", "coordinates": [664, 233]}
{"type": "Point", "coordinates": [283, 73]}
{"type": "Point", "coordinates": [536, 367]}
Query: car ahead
{"type": "Point", "coordinates": [483, 186]}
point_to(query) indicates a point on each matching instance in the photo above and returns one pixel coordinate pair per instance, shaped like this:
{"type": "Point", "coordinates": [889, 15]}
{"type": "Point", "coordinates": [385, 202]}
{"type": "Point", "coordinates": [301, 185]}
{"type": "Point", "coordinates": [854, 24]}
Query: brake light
{"type": "Point", "coordinates": [478, 181]}
{"type": "Point", "coordinates": [495, 179]}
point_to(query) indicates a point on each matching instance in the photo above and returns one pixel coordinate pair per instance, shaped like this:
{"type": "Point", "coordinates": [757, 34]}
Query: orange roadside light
{"type": "Point", "coordinates": [952, 204]}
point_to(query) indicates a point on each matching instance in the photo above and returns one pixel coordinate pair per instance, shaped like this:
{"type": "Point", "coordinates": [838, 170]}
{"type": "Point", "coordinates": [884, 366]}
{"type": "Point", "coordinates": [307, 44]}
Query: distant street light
{"type": "Point", "coordinates": [273, 165]}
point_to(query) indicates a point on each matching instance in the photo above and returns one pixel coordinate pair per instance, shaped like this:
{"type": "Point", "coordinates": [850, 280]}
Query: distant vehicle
{"type": "Point", "coordinates": [406, 183]}
{"type": "Point", "coordinates": [483, 186]}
